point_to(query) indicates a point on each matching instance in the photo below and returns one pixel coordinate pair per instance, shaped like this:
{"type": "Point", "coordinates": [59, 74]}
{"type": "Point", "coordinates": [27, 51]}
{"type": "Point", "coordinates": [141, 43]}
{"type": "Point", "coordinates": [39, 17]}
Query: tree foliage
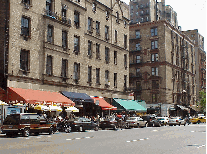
{"type": "Point", "coordinates": [202, 103]}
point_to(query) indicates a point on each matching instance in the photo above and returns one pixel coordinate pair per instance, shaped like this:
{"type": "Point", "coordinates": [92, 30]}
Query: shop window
{"type": "Point", "coordinates": [49, 70]}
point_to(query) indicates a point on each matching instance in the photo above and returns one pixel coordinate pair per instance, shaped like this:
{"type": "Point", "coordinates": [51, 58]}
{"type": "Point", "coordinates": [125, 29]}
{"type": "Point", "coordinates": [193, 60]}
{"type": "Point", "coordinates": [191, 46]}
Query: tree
{"type": "Point", "coordinates": [202, 103]}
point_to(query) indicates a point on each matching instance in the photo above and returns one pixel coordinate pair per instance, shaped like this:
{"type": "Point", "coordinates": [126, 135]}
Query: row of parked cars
{"type": "Point", "coordinates": [28, 123]}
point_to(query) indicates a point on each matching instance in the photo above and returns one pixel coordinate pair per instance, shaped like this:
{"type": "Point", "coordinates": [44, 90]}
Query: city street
{"type": "Point", "coordinates": [189, 139]}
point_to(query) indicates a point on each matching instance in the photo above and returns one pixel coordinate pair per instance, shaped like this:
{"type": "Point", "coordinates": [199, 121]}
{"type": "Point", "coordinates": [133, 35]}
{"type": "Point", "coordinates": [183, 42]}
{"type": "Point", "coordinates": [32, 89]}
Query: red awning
{"type": "Point", "coordinates": [33, 96]}
{"type": "Point", "coordinates": [103, 104]}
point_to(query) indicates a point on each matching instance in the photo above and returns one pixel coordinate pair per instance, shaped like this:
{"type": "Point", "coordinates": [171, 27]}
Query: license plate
{"type": "Point", "coordinates": [10, 126]}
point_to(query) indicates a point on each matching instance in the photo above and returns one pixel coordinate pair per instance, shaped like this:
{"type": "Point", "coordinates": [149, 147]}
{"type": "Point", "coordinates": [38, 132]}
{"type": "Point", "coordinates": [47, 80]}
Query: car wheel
{"type": "Point", "coordinates": [25, 132]}
{"type": "Point", "coordinates": [103, 128]}
{"type": "Point", "coordinates": [199, 122]}
{"type": "Point", "coordinates": [127, 126]}
{"type": "Point", "coordinates": [96, 128]}
{"type": "Point", "coordinates": [184, 124]}
{"type": "Point", "coordinates": [179, 124]}
{"type": "Point", "coordinates": [68, 129]}
{"type": "Point", "coordinates": [36, 133]}
{"type": "Point", "coordinates": [51, 131]}
{"type": "Point", "coordinates": [115, 128]}
{"type": "Point", "coordinates": [137, 125]}
{"type": "Point", "coordinates": [80, 129]}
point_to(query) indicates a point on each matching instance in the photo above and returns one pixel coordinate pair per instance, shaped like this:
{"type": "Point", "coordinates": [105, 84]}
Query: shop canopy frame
{"type": "Point", "coordinates": [128, 105]}
{"type": "Point", "coordinates": [103, 104]}
{"type": "Point", "coordinates": [31, 96]}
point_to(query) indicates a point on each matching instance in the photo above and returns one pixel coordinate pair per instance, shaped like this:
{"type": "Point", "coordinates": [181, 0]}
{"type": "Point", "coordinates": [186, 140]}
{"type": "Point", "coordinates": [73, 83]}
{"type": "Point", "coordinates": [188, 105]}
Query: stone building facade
{"type": "Point", "coordinates": [65, 45]}
{"type": "Point", "coordinates": [151, 10]}
{"type": "Point", "coordinates": [162, 64]}
{"type": "Point", "coordinates": [200, 60]}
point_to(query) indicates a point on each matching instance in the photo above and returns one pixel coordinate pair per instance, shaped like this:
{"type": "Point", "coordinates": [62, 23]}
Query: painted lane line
{"type": "Point", "coordinates": [38, 137]}
{"type": "Point", "coordinates": [155, 130]}
{"type": "Point", "coordinates": [134, 140]}
{"type": "Point", "coordinates": [128, 141]}
{"type": "Point", "coordinates": [87, 137]}
{"type": "Point", "coordinates": [26, 138]}
{"type": "Point", "coordinates": [77, 138]}
{"type": "Point", "coordinates": [141, 139]}
{"type": "Point", "coordinates": [49, 136]}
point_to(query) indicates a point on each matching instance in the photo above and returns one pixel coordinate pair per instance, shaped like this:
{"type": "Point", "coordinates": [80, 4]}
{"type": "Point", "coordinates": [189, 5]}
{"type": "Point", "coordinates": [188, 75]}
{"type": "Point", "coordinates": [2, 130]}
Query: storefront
{"type": "Point", "coordinates": [129, 105]}
{"type": "Point", "coordinates": [83, 102]}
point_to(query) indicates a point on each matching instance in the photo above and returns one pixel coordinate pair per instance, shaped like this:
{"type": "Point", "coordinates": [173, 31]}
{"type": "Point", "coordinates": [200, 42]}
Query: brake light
{"type": "Point", "coordinates": [74, 123]}
{"type": "Point", "coordinates": [176, 120]}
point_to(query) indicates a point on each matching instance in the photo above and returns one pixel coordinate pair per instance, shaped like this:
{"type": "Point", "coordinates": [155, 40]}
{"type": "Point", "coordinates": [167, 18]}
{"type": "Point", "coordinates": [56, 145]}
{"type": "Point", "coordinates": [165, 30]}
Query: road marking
{"type": "Point", "coordinates": [137, 140]}
{"type": "Point", "coordinates": [155, 130]}
{"type": "Point", "coordinates": [192, 131]}
{"type": "Point", "coordinates": [68, 139]}
{"type": "Point", "coordinates": [77, 138]}
{"type": "Point", "coordinates": [38, 137]}
{"type": "Point", "coordinates": [26, 138]}
{"type": "Point", "coordinates": [80, 138]}
{"type": "Point", "coordinates": [49, 136]}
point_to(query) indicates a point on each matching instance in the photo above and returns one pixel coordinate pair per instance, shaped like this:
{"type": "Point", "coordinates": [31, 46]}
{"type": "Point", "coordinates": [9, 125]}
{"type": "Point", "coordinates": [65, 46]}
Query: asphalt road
{"type": "Point", "coordinates": [189, 139]}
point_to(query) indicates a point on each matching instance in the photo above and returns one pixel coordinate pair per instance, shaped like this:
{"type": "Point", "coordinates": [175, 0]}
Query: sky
{"type": "Point", "coordinates": [191, 15]}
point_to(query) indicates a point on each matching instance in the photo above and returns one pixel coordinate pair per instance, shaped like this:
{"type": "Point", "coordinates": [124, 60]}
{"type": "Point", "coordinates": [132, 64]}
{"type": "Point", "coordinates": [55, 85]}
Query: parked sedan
{"type": "Point", "coordinates": [198, 120]}
{"type": "Point", "coordinates": [163, 120]}
{"type": "Point", "coordinates": [174, 121]}
{"type": "Point", "coordinates": [112, 122]}
{"type": "Point", "coordinates": [81, 124]}
{"type": "Point", "coordinates": [132, 122]}
{"type": "Point", "coordinates": [182, 121]}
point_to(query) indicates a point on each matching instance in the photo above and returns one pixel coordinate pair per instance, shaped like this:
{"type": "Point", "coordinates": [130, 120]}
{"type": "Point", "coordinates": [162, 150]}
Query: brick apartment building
{"type": "Point", "coordinates": [162, 65]}
{"type": "Point", "coordinates": [151, 10]}
{"type": "Point", "coordinates": [65, 45]}
{"type": "Point", "coordinates": [200, 60]}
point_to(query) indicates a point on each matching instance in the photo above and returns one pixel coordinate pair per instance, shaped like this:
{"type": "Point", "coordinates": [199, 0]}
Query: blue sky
{"type": "Point", "coordinates": [191, 15]}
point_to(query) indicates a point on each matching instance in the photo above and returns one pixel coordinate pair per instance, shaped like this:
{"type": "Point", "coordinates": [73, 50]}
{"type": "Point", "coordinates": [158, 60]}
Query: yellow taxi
{"type": "Point", "coordinates": [198, 120]}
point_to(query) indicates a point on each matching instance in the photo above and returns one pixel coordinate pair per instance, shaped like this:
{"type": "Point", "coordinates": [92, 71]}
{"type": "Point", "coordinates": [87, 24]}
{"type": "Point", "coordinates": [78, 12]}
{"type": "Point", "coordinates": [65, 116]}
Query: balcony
{"type": "Point", "coordinates": [57, 18]}
{"type": "Point", "coordinates": [137, 75]}
{"type": "Point", "coordinates": [137, 38]}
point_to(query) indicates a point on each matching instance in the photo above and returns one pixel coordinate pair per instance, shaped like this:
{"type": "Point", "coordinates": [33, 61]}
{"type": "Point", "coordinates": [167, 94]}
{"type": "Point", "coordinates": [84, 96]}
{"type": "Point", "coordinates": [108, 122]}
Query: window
{"type": "Point", "coordinates": [154, 31]}
{"type": "Point", "coordinates": [76, 44]}
{"type": "Point", "coordinates": [97, 51]}
{"type": "Point", "coordinates": [89, 74]}
{"type": "Point", "coordinates": [64, 39]}
{"type": "Point", "coordinates": [107, 15]}
{"type": "Point", "coordinates": [107, 77]}
{"type": "Point", "coordinates": [97, 75]}
{"type": "Point", "coordinates": [125, 23]}
{"type": "Point", "coordinates": [115, 80]}
{"type": "Point", "coordinates": [131, 7]}
{"type": "Point", "coordinates": [24, 60]}
{"type": "Point", "coordinates": [154, 44]}
{"type": "Point", "coordinates": [147, 18]}
{"type": "Point", "coordinates": [76, 72]}
{"type": "Point", "coordinates": [50, 34]}
{"type": "Point", "coordinates": [49, 65]}
{"type": "Point", "coordinates": [64, 10]}
{"type": "Point", "coordinates": [115, 57]}
{"type": "Point", "coordinates": [115, 37]}
{"type": "Point", "coordinates": [137, 13]}
{"type": "Point", "coordinates": [49, 7]}
{"type": "Point", "coordinates": [138, 47]}
{"type": "Point", "coordinates": [142, 12]}
{"type": "Point", "coordinates": [117, 17]}
{"type": "Point", "coordinates": [142, 19]}
{"type": "Point", "coordinates": [154, 57]}
{"type": "Point", "coordinates": [138, 59]}
{"type": "Point", "coordinates": [177, 58]}
{"type": "Point", "coordinates": [89, 48]}
{"type": "Point", "coordinates": [138, 85]}
{"type": "Point", "coordinates": [107, 55]}
{"type": "Point", "coordinates": [125, 41]}
{"type": "Point", "coordinates": [98, 27]}
{"type": "Point", "coordinates": [137, 72]}
{"type": "Point", "coordinates": [90, 24]}
{"type": "Point", "coordinates": [125, 81]}
{"type": "Point", "coordinates": [154, 98]}
{"type": "Point", "coordinates": [125, 61]}
{"type": "Point", "coordinates": [64, 68]}
{"type": "Point", "coordinates": [137, 6]}
{"type": "Point", "coordinates": [76, 19]}
{"type": "Point", "coordinates": [106, 32]}
{"type": "Point", "coordinates": [155, 84]}
{"type": "Point", "coordinates": [94, 7]}
{"type": "Point", "coordinates": [26, 2]}
{"type": "Point", "coordinates": [155, 71]}
{"type": "Point", "coordinates": [137, 33]}
{"type": "Point", "coordinates": [25, 31]}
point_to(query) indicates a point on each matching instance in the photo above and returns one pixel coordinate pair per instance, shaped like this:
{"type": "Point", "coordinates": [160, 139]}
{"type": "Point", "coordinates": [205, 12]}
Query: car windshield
{"type": "Point", "coordinates": [160, 119]}
{"type": "Point", "coordinates": [12, 120]}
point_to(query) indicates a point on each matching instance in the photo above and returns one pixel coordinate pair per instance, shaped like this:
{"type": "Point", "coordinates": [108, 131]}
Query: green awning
{"type": "Point", "coordinates": [128, 105]}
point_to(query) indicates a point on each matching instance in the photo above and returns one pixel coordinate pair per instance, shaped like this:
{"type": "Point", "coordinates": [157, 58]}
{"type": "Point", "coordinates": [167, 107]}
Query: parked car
{"type": "Point", "coordinates": [163, 120]}
{"type": "Point", "coordinates": [27, 123]}
{"type": "Point", "coordinates": [112, 122]}
{"type": "Point", "coordinates": [198, 120]}
{"type": "Point", "coordinates": [133, 122]}
{"type": "Point", "coordinates": [182, 121]}
{"type": "Point", "coordinates": [81, 124]}
{"type": "Point", "coordinates": [157, 123]}
{"type": "Point", "coordinates": [174, 121]}
{"type": "Point", "coordinates": [150, 120]}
